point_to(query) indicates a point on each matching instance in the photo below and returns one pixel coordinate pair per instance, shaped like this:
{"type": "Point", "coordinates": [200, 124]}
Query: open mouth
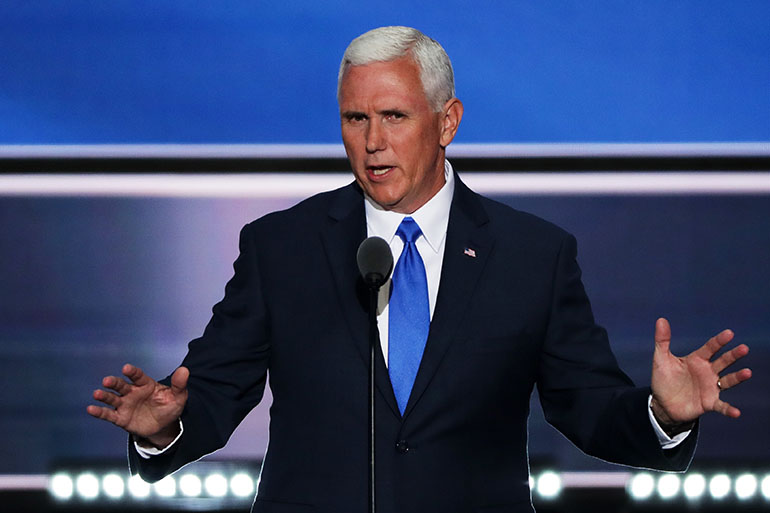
{"type": "Point", "coordinates": [379, 170]}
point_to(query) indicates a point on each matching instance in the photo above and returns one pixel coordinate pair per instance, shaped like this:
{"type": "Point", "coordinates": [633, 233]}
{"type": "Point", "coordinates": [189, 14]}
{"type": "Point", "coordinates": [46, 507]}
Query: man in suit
{"type": "Point", "coordinates": [494, 306]}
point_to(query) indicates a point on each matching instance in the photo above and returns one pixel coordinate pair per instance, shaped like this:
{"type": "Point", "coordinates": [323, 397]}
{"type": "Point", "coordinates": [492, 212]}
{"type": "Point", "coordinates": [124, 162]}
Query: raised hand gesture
{"type": "Point", "coordinates": [684, 388]}
{"type": "Point", "coordinates": [142, 406]}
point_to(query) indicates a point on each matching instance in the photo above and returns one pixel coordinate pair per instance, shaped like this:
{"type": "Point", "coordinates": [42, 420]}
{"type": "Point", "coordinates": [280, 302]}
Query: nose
{"type": "Point", "coordinates": [375, 139]}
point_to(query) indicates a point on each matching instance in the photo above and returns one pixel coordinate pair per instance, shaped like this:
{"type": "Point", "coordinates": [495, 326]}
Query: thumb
{"type": "Point", "coordinates": [662, 335]}
{"type": "Point", "coordinates": [179, 380]}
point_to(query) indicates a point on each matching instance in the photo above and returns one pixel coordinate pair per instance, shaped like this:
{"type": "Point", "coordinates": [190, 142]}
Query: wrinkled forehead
{"type": "Point", "coordinates": [394, 78]}
{"type": "Point", "coordinates": [390, 85]}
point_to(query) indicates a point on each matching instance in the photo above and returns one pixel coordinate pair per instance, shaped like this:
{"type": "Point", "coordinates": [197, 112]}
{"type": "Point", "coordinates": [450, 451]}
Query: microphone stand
{"type": "Point", "coordinates": [374, 340]}
{"type": "Point", "coordinates": [375, 262]}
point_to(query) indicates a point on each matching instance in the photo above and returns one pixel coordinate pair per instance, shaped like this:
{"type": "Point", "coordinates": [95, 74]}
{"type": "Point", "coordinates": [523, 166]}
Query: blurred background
{"type": "Point", "coordinates": [136, 138]}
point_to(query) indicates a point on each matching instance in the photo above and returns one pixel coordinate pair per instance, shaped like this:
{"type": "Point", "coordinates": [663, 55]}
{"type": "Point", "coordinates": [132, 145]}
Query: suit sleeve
{"type": "Point", "coordinates": [584, 393]}
{"type": "Point", "coordinates": [228, 369]}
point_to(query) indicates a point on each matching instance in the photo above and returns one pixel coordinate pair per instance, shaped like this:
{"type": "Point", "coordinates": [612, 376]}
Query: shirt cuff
{"type": "Point", "coordinates": [666, 442]}
{"type": "Point", "coordinates": [148, 452]}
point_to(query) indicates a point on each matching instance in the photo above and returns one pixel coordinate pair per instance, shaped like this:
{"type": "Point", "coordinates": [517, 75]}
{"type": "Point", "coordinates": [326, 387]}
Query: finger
{"type": "Point", "coordinates": [103, 413]}
{"type": "Point", "coordinates": [136, 375]}
{"type": "Point", "coordinates": [117, 384]}
{"type": "Point", "coordinates": [107, 398]}
{"type": "Point", "coordinates": [714, 344]}
{"type": "Point", "coordinates": [179, 380]}
{"type": "Point", "coordinates": [729, 358]}
{"type": "Point", "coordinates": [734, 378]}
{"type": "Point", "coordinates": [662, 335]}
{"type": "Point", "coordinates": [727, 409]}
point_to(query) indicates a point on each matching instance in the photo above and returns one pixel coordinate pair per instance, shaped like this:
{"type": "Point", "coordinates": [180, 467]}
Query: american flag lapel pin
{"type": "Point", "coordinates": [470, 252]}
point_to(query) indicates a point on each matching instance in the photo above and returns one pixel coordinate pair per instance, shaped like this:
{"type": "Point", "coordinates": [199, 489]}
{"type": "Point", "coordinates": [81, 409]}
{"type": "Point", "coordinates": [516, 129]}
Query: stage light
{"type": "Point", "coordinates": [745, 486]}
{"type": "Point", "coordinates": [765, 487]}
{"type": "Point", "coordinates": [668, 485]}
{"type": "Point", "coordinates": [242, 485]}
{"type": "Point", "coordinates": [215, 485]}
{"type": "Point", "coordinates": [87, 486]}
{"type": "Point", "coordinates": [548, 485]}
{"type": "Point", "coordinates": [719, 486]}
{"type": "Point", "coordinates": [103, 485]}
{"type": "Point", "coordinates": [641, 486]}
{"type": "Point", "coordinates": [113, 486]}
{"type": "Point", "coordinates": [218, 480]}
{"type": "Point", "coordinates": [137, 487]}
{"type": "Point", "coordinates": [190, 485]}
{"type": "Point", "coordinates": [694, 486]}
{"type": "Point", "coordinates": [166, 487]}
{"type": "Point", "coordinates": [61, 486]}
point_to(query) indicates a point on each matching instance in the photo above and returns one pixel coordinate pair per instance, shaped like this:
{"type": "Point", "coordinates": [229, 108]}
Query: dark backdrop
{"type": "Point", "coordinates": [88, 284]}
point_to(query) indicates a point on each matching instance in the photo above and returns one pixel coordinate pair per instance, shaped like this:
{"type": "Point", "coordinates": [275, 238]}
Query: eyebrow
{"type": "Point", "coordinates": [389, 112]}
{"type": "Point", "coordinates": [352, 113]}
{"type": "Point", "coordinates": [385, 112]}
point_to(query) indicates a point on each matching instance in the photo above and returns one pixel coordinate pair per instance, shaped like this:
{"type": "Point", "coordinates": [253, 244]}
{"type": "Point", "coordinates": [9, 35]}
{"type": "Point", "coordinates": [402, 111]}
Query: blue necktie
{"type": "Point", "coordinates": [409, 317]}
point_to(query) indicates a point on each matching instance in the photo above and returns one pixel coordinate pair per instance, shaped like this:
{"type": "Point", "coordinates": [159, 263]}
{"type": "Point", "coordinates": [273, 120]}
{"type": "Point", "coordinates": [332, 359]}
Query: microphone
{"type": "Point", "coordinates": [375, 261]}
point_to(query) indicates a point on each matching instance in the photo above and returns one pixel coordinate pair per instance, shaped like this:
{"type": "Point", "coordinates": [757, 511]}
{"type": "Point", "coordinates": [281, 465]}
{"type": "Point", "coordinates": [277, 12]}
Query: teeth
{"type": "Point", "coordinates": [378, 171]}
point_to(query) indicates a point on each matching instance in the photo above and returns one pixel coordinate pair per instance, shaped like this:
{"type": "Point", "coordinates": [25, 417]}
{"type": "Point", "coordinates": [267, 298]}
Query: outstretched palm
{"type": "Point", "coordinates": [141, 406]}
{"type": "Point", "coordinates": [684, 388]}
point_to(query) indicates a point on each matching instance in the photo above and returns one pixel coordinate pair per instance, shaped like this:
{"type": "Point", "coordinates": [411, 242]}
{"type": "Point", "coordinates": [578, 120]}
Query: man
{"type": "Point", "coordinates": [494, 306]}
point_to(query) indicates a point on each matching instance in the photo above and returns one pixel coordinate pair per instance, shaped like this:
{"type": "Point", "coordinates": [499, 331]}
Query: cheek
{"type": "Point", "coordinates": [352, 139]}
{"type": "Point", "coordinates": [415, 157]}
{"type": "Point", "coordinates": [406, 146]}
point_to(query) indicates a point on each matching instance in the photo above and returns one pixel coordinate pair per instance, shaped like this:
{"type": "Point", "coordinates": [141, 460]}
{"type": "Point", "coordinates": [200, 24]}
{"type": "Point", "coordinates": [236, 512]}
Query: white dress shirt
{"type": "Point", "coordinates": [432, 218]}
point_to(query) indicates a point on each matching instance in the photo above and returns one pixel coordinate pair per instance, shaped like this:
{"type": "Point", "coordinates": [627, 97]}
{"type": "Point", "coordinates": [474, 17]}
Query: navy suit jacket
{"type": "Point", "coordinates": [513, 316]}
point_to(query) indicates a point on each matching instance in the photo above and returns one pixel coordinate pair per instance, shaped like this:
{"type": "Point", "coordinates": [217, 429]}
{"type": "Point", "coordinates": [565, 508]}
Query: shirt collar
{"type": "Point", "coordinates": [432, 217]}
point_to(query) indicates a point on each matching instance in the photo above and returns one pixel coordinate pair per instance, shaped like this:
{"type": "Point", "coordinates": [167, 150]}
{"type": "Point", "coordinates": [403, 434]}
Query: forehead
{"type": "Point", "coordinates": [397, 80]}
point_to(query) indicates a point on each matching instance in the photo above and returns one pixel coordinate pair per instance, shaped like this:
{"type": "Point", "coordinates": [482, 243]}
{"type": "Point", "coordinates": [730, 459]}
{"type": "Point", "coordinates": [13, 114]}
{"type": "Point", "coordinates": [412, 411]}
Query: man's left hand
{"type": "Point", "coordinates": [684, 388]}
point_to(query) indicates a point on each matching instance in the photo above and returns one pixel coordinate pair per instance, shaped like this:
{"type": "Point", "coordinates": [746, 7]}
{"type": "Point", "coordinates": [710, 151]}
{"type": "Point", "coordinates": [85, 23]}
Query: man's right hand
{"type": "Point", "coordinates": [145, 408]}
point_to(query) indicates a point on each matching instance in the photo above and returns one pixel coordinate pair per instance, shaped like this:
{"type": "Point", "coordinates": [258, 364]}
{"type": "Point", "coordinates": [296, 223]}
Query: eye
{"type": "Point", "coordinates": [354, 117]}
{"type": "Point", "coordinates": [394, 115]}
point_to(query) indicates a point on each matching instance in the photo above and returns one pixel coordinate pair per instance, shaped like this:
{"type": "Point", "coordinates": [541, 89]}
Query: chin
{"type": "Point", "coordinates": [383, 198]}
{"type": "Point", "coordinates": [387, 205]}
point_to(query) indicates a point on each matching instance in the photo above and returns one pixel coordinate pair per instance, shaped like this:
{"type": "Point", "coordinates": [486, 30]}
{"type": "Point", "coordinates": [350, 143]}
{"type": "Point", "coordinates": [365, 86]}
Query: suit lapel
{"type": "Point", "coordinates": [468, 245]}
{"type": "Point", "coordinates": [341, 238]}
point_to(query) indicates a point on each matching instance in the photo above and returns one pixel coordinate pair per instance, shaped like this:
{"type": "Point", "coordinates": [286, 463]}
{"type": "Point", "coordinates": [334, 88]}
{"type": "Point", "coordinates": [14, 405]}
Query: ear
{"type": "Point", "coordinates": [452, 114]}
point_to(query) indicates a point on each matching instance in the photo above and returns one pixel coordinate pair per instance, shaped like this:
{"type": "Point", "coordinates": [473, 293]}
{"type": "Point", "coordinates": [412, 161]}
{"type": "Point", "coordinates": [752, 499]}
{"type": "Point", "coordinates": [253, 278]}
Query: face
{"type": "Point", "coordinates": [393, 139]}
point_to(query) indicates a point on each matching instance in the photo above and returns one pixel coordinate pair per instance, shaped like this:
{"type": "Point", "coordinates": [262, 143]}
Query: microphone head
{"type": "Point", "coordinates": [375, 261]}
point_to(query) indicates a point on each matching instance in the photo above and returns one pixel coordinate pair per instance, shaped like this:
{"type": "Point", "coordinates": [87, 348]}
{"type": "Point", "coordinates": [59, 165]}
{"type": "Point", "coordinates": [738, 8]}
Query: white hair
{"type": "Point", "coordinates": [386, 44]}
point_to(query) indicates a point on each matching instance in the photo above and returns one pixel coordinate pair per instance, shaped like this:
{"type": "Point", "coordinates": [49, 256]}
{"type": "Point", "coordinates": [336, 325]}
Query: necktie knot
{"type": "Point", "coordinates": [408, 230]}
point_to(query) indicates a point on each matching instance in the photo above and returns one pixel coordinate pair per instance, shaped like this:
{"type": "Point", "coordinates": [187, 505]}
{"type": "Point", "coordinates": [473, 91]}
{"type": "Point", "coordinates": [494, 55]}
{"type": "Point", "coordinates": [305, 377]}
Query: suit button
{"type": "Point", "coordinates": [402, 446]}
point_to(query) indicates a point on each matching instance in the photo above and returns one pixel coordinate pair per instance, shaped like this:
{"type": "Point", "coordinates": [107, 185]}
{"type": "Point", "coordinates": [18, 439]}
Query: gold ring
{"type": "Point", "coordinates": [719, 384]}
